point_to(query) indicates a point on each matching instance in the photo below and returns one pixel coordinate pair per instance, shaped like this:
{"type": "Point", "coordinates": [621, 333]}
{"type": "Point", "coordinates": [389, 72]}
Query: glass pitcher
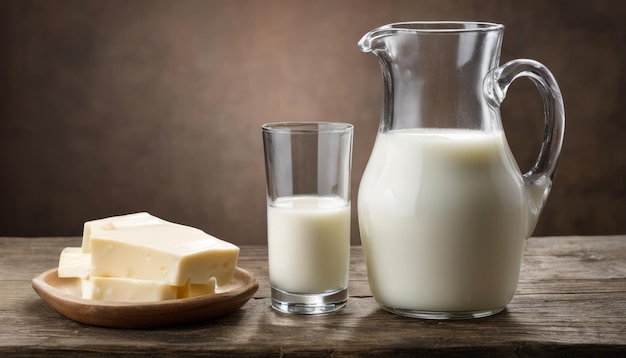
{"type": "Point", "coordinates": [444, 210]}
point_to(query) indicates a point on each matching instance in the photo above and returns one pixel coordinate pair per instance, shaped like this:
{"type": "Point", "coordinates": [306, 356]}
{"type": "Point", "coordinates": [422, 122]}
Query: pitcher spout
{"type": "Point", "coordinates": [371, 41]}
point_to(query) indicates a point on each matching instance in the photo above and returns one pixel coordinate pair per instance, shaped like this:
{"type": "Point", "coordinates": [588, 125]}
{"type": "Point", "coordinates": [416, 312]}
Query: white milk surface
{"type": "Point", "coordinates": [442, 216]}
{"type": "Point", "coordinates": [309, 244]}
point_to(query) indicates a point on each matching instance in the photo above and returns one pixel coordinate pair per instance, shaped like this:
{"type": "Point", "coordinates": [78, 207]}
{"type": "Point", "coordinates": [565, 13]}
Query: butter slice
{"type": "Point", "coordinates": [73, 263]}
{"type": "Point", "coordinates": [148, 248]}
{"type": "Point", "coordinates": [116, 289]}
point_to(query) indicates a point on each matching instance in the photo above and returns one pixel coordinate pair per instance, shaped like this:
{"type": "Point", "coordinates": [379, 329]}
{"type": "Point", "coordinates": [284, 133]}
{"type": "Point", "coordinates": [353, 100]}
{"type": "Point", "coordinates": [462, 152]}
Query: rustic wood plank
{"type": "Point", "coordinates": [571, 300]}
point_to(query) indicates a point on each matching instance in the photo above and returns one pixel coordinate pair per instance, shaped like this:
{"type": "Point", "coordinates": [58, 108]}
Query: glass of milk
{"type": "Point", "coordinates": [308, 214]}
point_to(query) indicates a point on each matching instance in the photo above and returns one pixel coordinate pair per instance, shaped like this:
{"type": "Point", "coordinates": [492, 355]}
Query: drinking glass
{"type": "Point", "coordinates": [308, 214]}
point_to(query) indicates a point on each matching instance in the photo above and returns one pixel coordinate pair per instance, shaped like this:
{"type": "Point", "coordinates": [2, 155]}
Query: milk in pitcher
{"type": "Point", "coordinates": [444, 212]}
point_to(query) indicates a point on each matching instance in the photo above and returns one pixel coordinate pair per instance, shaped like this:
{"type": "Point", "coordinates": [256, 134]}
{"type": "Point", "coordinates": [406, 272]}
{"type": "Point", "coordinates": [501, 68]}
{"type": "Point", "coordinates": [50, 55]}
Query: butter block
{"type": "Point", "coordinates": [74, 263]}
{"type": "Point", "coordinates": [167, 252]}
{"type": "Point", "coordinates": [141, 258]}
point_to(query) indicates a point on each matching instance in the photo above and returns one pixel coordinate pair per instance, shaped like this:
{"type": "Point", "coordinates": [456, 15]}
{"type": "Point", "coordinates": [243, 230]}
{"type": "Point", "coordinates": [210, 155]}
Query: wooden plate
{"type": "Point", "coordinates": [63, 294]}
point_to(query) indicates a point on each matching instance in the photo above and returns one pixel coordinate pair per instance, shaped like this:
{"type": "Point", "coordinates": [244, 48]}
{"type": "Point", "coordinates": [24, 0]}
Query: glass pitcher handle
{"type": "Point", "coordinates": [539, 178]}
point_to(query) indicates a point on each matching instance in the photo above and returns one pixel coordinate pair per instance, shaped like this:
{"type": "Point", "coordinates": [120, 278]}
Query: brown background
{"type": "Point", "coordinates": [110, 107]}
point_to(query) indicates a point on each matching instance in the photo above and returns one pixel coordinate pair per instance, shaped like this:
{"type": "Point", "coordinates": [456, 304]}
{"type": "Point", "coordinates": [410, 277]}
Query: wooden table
{"type": "Point", "coordinates": [571, 299]}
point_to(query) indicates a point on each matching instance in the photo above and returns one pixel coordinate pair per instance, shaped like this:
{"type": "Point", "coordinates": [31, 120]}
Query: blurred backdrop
{"type": "Point", "coordinates": [111, 107]}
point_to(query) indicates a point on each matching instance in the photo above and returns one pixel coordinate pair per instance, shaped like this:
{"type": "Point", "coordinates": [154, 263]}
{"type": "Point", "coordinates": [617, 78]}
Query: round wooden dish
{"type": "Point", "coordinates": [63, 294]}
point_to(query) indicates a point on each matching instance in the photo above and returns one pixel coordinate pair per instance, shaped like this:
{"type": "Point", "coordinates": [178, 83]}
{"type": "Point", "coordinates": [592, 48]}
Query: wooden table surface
{"type": "Point", "coordinates": [571, 300]}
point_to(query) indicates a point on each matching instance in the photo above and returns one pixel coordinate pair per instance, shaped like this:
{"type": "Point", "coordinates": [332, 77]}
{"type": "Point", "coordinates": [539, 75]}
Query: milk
{"type": "Point", "coordinates": [443, 220]}
{"type": "Point", "coordinates": [309, 244]}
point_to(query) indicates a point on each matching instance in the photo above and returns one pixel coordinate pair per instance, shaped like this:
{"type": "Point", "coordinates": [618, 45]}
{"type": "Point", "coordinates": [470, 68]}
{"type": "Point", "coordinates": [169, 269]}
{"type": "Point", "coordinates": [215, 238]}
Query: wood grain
{"type": "Point", "coordinates": [571, 300]}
